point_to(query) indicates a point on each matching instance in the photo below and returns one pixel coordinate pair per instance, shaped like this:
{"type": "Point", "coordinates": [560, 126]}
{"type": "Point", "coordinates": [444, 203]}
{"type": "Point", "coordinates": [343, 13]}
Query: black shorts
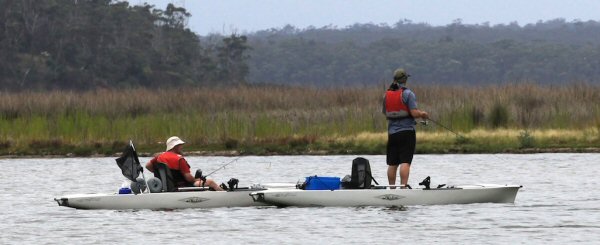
{"type": "Point", "coordinates": [401, 147]}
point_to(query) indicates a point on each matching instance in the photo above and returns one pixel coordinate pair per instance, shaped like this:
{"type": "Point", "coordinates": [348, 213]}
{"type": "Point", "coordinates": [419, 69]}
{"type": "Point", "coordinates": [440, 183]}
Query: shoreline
{"type": "Point", "coordinates": [311, 153]}
{"type": "Point", "coordinates": [481, 141]}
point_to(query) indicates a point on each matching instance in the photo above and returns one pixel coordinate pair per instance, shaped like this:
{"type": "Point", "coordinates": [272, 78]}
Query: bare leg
{"type": "Point", "coordinates": [391, 173]}
{"type": "Point", "coordinates": [210, 183]}
{"type": "Point", "coordinates": [404, 172]}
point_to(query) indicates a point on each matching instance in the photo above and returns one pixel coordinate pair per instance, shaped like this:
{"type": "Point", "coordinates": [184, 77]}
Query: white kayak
{"type": "Point", "coordinates": [160, 191]}
{"type": "Point", "coordinates": [464, 194]}
{"type": "Point", "coordinates": [167, 200]}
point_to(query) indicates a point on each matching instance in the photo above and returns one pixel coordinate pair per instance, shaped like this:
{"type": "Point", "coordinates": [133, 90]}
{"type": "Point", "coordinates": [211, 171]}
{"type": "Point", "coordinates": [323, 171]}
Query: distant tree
{"type": "Point", "coordinates": [232, 58]}
{"type": "Point", "coordinates": [555, 51]}
{"type": "Point", "coordinates": [85, 44]}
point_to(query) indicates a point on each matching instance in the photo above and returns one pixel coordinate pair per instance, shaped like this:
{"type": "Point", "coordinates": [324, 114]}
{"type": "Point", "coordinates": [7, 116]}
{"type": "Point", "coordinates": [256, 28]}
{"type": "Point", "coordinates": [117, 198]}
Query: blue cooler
{"type": "Point", "coordinates": [322, 183]}
{"type": "Point", "coordinates": [124, 190]}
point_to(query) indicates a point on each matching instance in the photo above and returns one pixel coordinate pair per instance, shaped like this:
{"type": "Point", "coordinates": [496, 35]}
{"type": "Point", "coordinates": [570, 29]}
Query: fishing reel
{"type": "Point", "coordinates": [426, 182]}
{"type": "Point", "coordinates": [233, 183]}
{"type": "Point", "coordinates": [199, 175]}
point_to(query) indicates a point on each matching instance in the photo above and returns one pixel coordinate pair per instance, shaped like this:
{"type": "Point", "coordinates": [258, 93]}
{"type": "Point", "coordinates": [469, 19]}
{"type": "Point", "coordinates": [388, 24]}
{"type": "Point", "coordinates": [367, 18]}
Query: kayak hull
{"type": "Point", "coordinates": [164, 200]}
{"type": "Point", "coordinates": [389, 197]}
{"type": "Point", "coordinates": [249, 197]}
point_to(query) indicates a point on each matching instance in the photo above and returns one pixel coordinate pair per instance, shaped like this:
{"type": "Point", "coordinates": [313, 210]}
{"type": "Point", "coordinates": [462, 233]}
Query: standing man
{"type": "Point", "coordinates": [400, 108]}
{"type": "Point", "coordinates": [180, 169]}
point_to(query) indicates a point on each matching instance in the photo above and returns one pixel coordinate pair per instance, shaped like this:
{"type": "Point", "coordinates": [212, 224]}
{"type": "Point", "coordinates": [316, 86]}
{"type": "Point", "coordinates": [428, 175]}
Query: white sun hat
{"type": "Point", "coordinates": [173, 141]}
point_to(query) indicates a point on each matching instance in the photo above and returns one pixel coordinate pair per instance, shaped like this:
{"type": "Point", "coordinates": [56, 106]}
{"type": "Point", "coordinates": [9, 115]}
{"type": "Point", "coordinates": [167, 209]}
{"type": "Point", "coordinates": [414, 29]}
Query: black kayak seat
{"type": "Point", "coordinates": [361, 174]}
{"type": "Point", "coordinates": [163, 172]}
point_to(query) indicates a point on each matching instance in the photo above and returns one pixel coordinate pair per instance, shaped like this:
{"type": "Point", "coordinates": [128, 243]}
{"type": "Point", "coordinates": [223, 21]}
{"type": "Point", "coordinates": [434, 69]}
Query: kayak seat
{"type": "Point", "coordinates": [163, 172]}
{"type": "Point", "coordinates": [361, 173]}
{"type": "Point", "coordinates": [360, 177]}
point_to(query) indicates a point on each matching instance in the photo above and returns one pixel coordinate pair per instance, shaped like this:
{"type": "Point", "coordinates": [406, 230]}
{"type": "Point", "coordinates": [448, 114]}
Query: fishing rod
{"type": "Point", "coordinates": [460, 137]}
{"type": "Point", "coordinates": [223, 166]}
{"type": "Point", "coordinates": [441, 125]}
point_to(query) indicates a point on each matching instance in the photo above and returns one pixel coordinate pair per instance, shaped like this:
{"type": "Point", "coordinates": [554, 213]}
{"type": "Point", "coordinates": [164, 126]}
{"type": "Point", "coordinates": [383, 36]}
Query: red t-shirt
{"type": "Point", "coordinates": [173, 160]}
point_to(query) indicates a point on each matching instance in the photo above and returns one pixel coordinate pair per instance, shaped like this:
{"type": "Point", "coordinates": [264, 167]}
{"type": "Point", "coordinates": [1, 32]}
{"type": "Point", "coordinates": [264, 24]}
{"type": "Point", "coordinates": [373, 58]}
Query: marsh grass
{"type": "Point", "coordinates": [265, 120]}
{"type": "Point", "coordinates": [484, 140]}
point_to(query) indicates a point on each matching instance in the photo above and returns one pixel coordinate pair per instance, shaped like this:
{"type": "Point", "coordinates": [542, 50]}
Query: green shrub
{"type": "Point", "coordinates": [4, 144]}
{"type": "Point", "coordinates": [231, 144]}
{"type": "Point", "coordinates": [460, 140]}
{"type": "Point", "coordinates": [526, 140]}
{"type": "Point", "coordinates": [499, 116]}
{"type": "Point", "coordinates": [477, 116]}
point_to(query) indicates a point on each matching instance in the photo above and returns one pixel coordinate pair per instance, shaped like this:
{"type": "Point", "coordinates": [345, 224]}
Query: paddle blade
{"type": "Point", "coordinates": [129, 163]}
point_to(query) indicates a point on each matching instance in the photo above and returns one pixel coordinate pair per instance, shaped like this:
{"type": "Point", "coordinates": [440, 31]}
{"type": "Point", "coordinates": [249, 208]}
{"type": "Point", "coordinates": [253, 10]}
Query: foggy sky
{"type": "Point", "coordinates": [240, 16]}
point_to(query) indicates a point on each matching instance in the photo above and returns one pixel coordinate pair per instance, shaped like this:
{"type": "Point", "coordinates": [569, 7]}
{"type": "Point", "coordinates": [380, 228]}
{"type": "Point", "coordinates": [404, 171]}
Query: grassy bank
{"type": "Point", "coordinates": [283, 120]}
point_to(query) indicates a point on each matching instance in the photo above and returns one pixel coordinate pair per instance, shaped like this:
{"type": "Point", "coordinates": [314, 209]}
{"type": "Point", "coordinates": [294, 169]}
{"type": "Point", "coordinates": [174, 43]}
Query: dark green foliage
{"type": "Point", "coordinates": [86, 44]}
{"type": "Point", "coordinates": [461, 140]}
{"type": "Point", "coordinates": [547, 52]}
{"type": "Point", "coordinates": [499, 116]}
{"type": "Point", "coordinates": [598, 129]}
{"type": "Point", "coordinates": [66, 44]}
{"type": "Point", "coordinates": [231, 56]}
{"type": "Point", "coordinates": [477, 116]}
{"type": "Point", "coordinates": [231, 143]}
{"type": "Point", "coordinates": [53, 143]}
{"type": "Point", "coordinates": [526, 140]}
{"type": "Point", "coordinates": [5, 144]}
{"type": "Point", "coordinates": [301, 143]}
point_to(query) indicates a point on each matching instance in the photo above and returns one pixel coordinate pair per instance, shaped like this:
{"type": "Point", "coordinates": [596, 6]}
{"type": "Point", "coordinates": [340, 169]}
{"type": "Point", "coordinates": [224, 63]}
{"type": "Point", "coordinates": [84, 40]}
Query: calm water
{"type": "Point", "coordinates": [559, 204]}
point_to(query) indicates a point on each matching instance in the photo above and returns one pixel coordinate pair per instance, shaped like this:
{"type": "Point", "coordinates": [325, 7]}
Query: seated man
{"type": "Point", "coordinates": [180, 169]}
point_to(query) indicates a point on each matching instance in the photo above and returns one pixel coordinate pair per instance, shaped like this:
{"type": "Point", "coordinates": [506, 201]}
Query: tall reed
{"type": "Point", "coordinates": [258, 113]}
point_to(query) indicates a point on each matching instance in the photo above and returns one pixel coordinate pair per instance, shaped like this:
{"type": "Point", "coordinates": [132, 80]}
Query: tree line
{"type": "Point", "coordinates": [82, 44]}
{"type": "Point", "coordinates": [553, 52]}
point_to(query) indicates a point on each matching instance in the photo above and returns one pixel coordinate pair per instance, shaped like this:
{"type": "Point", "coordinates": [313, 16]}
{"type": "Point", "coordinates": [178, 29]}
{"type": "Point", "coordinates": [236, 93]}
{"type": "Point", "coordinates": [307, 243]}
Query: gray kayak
{"type": "Point", "coordinates": [464, 194]}
{"type": "Point", "coordinates": [187, 198]}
